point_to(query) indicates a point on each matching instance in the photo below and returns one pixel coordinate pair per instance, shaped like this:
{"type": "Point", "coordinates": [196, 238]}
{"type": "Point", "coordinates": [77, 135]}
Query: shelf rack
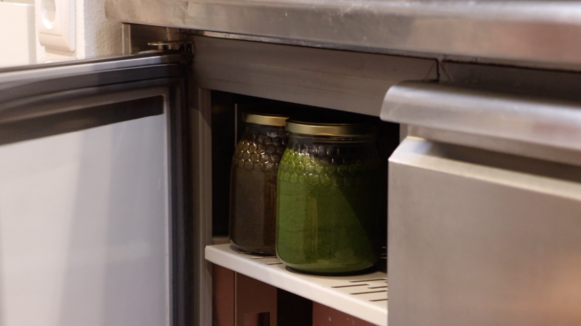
{"type": "Point", "coordinates": [363, 296]}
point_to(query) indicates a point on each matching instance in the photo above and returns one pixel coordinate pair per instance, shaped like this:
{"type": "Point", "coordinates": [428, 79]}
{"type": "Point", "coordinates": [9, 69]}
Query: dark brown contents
{"type": "Point", "coordinates": [253, 192]}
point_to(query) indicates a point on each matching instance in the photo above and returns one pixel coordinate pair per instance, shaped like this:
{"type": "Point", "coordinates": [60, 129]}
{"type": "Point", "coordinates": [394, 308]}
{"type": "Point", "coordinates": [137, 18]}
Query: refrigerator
{"type": "Point", "coordinates": [113, 195]}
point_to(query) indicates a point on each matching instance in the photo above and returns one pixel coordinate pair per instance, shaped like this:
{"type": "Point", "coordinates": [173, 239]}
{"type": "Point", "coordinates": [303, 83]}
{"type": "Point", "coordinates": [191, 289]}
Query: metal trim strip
{"type": "Point", "coordinates": [80, 119]}
{"type": "Point", "coordinates": [52, 71]}
{"type": "Point", "coordinates": [529, 119]}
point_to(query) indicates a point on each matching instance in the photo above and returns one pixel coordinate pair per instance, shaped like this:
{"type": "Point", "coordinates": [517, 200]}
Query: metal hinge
{"type": "Point", "coordinates": [185, 48]}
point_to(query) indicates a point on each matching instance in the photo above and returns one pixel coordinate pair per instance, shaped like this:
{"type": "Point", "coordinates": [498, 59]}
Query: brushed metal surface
{"type": "Point", "coordinates": [523, 149]}
{"type": "Point", "coordinates": [200, 108]}
{"type": "Point", "coordinates": [558, 84]}
{"type": "Point", "coordinates": [526, 31]}
{"type": "Point", "coordinates": [480, 238]}
{"type": "Point", "coordinates": [529, 119]}
{"type": "Point", "coordinates": [348, 81]}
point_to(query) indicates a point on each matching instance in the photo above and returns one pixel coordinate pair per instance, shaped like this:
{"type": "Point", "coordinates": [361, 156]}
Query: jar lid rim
{"type": "Point", "coordinates": [266, 119]}
{"type": "Point", "coordinates": [330, 129]}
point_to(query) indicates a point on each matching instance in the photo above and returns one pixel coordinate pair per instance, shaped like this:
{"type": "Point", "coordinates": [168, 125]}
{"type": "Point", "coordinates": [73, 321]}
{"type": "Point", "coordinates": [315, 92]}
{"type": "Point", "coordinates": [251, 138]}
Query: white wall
{"type": "Point", "coordinates": [17, 33]}
{"type": "Point", "coordinates": [19, 1]}
{"type": "Point", "coordinates": [96, 36]}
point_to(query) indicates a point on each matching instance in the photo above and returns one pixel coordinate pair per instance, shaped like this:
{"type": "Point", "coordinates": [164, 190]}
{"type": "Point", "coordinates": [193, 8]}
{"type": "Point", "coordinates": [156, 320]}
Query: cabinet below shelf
{"type": "Point", "coordinates": [363, 296]}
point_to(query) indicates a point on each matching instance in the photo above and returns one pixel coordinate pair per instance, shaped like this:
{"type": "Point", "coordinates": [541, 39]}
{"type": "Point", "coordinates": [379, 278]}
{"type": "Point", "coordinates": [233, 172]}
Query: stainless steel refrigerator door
{"type": "Point", "coordinates": [484, 209]}
{"type": "Point", "coordinates": [91, 200]}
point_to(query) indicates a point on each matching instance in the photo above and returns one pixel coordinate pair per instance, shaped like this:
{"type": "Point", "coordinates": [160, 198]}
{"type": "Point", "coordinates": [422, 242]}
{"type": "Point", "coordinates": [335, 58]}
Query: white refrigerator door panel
{"type": "Point", "coordinates": [84, 227]}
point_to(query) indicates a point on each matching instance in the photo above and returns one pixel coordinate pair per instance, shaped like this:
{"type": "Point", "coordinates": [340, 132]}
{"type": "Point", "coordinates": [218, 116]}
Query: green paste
{"type": "Point", "coordinates": [328, 213]}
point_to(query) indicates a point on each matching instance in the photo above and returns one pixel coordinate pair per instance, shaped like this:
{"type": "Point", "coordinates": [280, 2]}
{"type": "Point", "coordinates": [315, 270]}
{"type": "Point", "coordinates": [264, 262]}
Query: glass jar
{"type": "Point", "coordinates": [329, 198]}
{"type": "Point", "coordinates": [253, 183]}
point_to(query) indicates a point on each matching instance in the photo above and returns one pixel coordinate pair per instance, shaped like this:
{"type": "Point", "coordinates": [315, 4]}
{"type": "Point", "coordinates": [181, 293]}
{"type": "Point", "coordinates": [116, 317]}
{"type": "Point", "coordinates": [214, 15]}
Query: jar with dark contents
{"type": "Point", "coordinates": [329, 198]}
{"type": "Point", "coordinates": [253, 183]}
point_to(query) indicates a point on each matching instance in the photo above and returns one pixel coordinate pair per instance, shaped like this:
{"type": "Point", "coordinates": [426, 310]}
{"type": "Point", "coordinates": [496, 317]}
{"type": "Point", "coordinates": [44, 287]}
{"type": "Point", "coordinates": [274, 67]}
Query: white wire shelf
{"type": "Point", "coordinates": [363, 296]}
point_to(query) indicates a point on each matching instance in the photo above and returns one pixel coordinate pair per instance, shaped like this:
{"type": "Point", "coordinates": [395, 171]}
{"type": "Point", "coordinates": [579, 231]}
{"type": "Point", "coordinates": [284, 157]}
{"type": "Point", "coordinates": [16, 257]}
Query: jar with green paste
{"type": "Point", "coordinates": [253, 183]}
{"type": "Point", "coordinates": [329, 198]}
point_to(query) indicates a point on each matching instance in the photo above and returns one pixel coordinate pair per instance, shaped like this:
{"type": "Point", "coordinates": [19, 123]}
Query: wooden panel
{"type": "Point", "coordinates": [255, 302]}
{"type": "Point", "coordinates": [326, 316]}
{"type": "Point", "coordinates": [223, 298]}
{"type": "Point", "coordinates": [294, 310]}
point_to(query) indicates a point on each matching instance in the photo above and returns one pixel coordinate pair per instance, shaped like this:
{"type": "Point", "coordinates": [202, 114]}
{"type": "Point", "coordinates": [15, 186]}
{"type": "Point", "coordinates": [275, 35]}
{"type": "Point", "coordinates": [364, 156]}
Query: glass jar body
{"type": "Point", "coordinates": [253, 188]}
{"type": "Point", "coordinates": [329, 205]}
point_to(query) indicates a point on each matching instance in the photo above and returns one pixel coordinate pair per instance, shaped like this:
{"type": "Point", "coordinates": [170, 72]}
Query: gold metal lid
{"type": "Point", "coordinates": [267, 120]}
{"type": "Point", "coordinates": [330, 129]}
